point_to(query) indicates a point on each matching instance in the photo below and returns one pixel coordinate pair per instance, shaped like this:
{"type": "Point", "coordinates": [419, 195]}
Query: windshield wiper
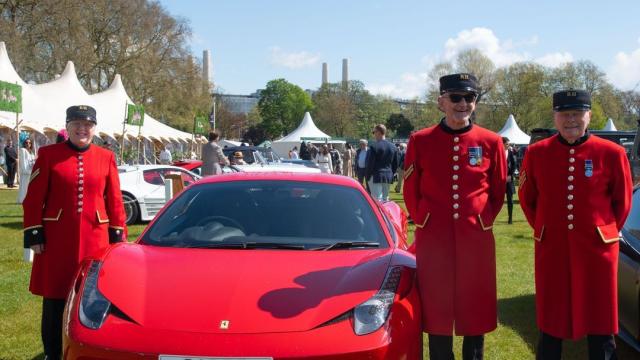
{"type": "Point", "coordinates": [247, 245]}
{"type": "Point", "coordinates": [349, 245]}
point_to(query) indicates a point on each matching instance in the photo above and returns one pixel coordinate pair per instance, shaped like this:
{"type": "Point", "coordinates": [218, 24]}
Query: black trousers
{"type": "Point", "coordinates": [11, 174]}
{"type": "Point", "coordinates": [510, 190]}
{"type": "Point", "coordinates": [51, 328]}
{"type": "Point", "coordinates": [601, 347]}
{"type": "Point", "coordinates": [441, 347]}
{"type": "Point", "coordinates": [361, 178]}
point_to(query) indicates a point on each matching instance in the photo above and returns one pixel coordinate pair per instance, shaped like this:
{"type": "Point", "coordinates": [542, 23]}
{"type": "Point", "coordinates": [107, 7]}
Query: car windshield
{"type": "Point", "coordinates": [632, 225]}
{"type": "Point", "coordinates": [268, 214]}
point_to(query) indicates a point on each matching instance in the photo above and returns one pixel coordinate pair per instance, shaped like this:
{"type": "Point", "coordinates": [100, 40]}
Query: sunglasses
{"type": "Point", "coordinates": [456, 98]}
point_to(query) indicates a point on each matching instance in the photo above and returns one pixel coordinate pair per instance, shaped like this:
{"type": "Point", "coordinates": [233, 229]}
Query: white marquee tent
{"type": "Point", "coordinates": [44, 106]}
{"type": "Point", "coordinates": [306, 129]}
{"type": "Point", "coordinates": [512, 131]}
{"type": "Point", "coordinates": [610, 126]}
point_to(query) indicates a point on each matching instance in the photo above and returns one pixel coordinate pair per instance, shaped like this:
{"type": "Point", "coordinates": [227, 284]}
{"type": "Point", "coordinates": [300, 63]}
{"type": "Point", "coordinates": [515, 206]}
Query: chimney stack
{"type": "Point", "coordinates": [325, 73]}
{"type": "Point", "coordinates": [206, 68]}
{"type": "Point", "coordinates": [345, 71]}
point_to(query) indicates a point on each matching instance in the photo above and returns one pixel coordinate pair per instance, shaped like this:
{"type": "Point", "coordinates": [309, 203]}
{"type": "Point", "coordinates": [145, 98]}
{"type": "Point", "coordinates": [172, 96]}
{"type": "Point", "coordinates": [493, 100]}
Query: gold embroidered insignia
{"type": "Point", "coordinates": [408, 172]}
{"type": "Point", "coordinates": [33, 175]}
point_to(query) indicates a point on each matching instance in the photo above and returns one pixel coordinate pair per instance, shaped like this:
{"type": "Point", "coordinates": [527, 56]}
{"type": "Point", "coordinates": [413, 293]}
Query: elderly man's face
{"type": "Point", "coordinates": [572, 124]}
{"type": "Point", "coordinates": [81, 132]}
{"type": "Point", "coordinates": [457, 107]}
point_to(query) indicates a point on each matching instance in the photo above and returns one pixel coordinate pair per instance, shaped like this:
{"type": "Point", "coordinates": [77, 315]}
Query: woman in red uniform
{"type": "Point", "coordinates": [73, 210]}
{"type": "Point", "coordinates": [455, 181]}
{"type": "Point", "coordinates": [575, 190]}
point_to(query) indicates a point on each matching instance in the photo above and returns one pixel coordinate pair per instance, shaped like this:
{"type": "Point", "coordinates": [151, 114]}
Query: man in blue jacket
{"type": "Point", "coordinates": [382, 163]}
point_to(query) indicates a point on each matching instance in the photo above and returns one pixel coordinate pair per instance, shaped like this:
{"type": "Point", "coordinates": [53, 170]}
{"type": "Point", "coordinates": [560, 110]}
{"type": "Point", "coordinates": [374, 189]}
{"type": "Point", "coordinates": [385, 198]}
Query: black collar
{"type": "Point", "coordinates": [443, 125]}
{"type": "Point", "coordinates": [77, 148]}
{"type": "Point", "coordinates": [580, 141]}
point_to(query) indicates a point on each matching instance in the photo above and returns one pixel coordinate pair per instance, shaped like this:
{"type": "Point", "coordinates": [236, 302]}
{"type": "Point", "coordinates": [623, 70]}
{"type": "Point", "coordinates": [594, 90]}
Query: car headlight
{"type": "Point", "coordinates": [94, 307]}
{"type": "Point", "coordinates": [373, 313]}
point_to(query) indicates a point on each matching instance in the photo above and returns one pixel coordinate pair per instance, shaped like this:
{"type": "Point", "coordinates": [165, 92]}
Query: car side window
{"type": "Point", "coordinates": [187, 178]}
{"type": "Point", "coordinates": [153, 177]}
{"type": "Point", "coordinates": [633, 221]}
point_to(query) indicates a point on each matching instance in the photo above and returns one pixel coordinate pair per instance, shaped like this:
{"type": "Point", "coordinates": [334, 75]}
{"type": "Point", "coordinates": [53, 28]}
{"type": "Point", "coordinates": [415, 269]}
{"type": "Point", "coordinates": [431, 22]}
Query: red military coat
{"type": "Point", "coordinates": [576, 198]}
{"type": "Point", "coordinates": [454, 188]}
{"type": "Point", "coordinates": [73, 199]}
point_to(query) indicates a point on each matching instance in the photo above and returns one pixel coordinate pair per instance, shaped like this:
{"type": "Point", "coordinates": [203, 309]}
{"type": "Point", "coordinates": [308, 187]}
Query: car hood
{"type": "Point", "coordinates": [254, 291]}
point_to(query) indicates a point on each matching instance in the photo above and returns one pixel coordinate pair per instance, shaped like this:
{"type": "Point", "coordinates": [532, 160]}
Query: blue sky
{"type": "Point", "coordinates": [391, 45]}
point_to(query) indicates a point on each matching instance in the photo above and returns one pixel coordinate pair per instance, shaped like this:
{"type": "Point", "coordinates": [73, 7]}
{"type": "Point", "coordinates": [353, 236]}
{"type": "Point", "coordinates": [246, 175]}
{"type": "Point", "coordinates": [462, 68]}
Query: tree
{"type": "Point", "coordinates": [255, 134]}
{"type": "Point", "coordinates": [282, 105]}
{"type": "Point", "coordinates": [399, 124]}
{"type": "Point", "coordinates": [475, 62]}
{"type": "Point", "coordinates": [334, 110]}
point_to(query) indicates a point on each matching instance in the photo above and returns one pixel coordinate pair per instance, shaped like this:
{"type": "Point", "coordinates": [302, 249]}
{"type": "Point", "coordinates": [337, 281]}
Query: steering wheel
{"type": "Point", "coordinates": [228, 220]}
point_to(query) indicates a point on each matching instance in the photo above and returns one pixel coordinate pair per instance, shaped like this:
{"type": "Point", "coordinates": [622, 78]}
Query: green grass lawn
{"type": "Point", "coordinates": [515, 337]}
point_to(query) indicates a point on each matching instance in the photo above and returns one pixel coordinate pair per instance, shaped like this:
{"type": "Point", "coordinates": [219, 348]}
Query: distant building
{"type": "Point", "coordinates": [240, 104]}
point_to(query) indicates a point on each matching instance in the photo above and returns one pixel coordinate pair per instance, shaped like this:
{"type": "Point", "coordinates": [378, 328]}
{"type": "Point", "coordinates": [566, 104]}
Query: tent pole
{"type": "Point", "coordinates": [124, 123]}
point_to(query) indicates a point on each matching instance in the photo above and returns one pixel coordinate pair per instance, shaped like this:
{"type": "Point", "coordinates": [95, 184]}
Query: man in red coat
{"type": "Point", "coordinates": [72, 211]}
{"type": "Point", "coordinates": [575, 190]}
{"type": "Point", "coordinates": [455, 181]}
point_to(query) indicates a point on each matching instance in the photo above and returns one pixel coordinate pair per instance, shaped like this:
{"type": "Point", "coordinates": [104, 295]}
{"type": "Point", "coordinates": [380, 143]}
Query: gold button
{"type": "Point", "coordinates": [456, 167]}
{"type": "Point", "coordinates": [571, 168]}
{"type": "Point", "coordinates": [570, 187]}
{"type": "Point", "coordinates": [456, 139]}
{"type": "Point", "coordinates": [456, 215]}
{"type": "Point", "coordinates": [79, 209]}
{"type": "Point", "coordinates": [572, 151]}
{"type": "Point", "coordinates": [80, 163]}
{"type": "Point", "coordinates": [570, 217]}
{"type": "Point", "coordinates": [455, 177]}
{"type": "Point", "coordinates": [80, 181]}
{"type": "Point", "coordinates": [80, 196]}
{"type": "Point", "coordinates": [80, 203]}
{"type": "Point", "coordinates": [455, 206]}
{"type": "Point", "coordinates": [81, 169]}
{"type": "Point", "coordinates": [456, 148]}
{"type": "Point", "coordinates": [81, 175]}
{"type": "Point", "coordinates": [570, 196]}
{"type": "Point", "coordinates": [456, 196]}
{"type": "Point", "coordinates": [455, 186]}
{"type": "Point", "coordinates": [80, 188]}
{"type": "Point", "coordinates": [570, 178]}
{"type": "Point", "coordinates": [572, 160]}
{"type": "Point", "coordinates": [455, 157]}
{"type": "Point", "coordinates": [570, 206]}
{"type": "Point", "coordinates": [570, 226]}
{"type": "Point", "coordinates": [79, 157]}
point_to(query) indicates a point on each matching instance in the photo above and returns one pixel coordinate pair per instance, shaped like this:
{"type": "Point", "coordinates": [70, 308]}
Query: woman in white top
{"type": "Point", "coordinates": [323, 159]}
{"type": "Point", "coordinates": [26, 159]}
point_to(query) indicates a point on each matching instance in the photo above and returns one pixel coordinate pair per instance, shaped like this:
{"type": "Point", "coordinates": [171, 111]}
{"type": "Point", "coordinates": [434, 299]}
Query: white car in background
{"type": "Point", "coordinates": [143, 191]}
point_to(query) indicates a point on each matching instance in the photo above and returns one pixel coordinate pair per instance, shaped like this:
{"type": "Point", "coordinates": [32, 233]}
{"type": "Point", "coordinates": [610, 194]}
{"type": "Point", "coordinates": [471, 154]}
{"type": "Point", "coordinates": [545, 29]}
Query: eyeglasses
{"type": "Point", "coordinates": [456, 98]}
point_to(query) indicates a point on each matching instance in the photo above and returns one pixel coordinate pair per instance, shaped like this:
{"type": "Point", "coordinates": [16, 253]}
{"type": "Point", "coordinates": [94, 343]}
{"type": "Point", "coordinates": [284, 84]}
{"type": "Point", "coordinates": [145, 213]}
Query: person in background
{"type": "Point", "coordinates": [454, 183]}
{"type": "Point", "coordinates": [62, 136]}
{"type": "Point", "coordinates": [336, 160]}
{"type": "Point", "coordinates": [575, 191]}
{"type": "Point", "coordinates": [293, 153]}
{"type": "Point", "coordinates": [382, 163]}
{"type": "Point", "coordinates": [212, 156]}
{"type": "Point", "coordinates": [238, 158]}
{"type": "Point", "coordinates": [73, 211]}
{"type": "Point", "coordinates": [27, 158]}
{"type": "Point", "coordinates": [304, 152]}
{"type": "Point", "coordinates": [511, 170]}
{"type": "Point", "coordinates": [165, 156]}
{"type": "Point", "coordinates": [402, 149]}
{"type": "Point", "coordinates": [323, 159]}
{"type": "Point", "coordinates": [361, 163]}
{"type": "Point", "coordinates": [11, 161]}
{"type": "Point", "coordinates": [349, 154]}
{"type": "Point", "coordinates": [313, 150]}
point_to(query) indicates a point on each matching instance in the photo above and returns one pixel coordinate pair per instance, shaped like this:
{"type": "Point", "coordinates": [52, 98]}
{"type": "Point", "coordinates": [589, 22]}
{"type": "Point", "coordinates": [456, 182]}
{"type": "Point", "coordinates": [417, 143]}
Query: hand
{"type": "Point", "coordinates": [38, 248]}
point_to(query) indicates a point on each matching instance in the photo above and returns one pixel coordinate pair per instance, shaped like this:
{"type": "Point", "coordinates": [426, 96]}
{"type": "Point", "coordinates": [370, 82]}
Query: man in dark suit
{"type": "Point", "coordinates": [11, 159]}
{"type": "Point", "coordinates": [360, 163]}
{"type": "Point", "coordinates": [382, 163]}
{"type": "Point", "coordinates": [511, 169]}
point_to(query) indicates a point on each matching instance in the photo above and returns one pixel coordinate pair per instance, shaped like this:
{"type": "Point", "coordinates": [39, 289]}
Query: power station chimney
{"type": "Point", "coordinates": [207, 70]}
{"type": "Point", "coordinates": [325, 73]}
{"type": "Point", "coordinates": [345, 71]}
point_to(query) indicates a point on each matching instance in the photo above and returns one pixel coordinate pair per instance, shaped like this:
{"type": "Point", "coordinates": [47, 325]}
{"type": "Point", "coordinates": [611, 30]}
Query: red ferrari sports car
{"type": "Point", "coordinates": [254, 266]}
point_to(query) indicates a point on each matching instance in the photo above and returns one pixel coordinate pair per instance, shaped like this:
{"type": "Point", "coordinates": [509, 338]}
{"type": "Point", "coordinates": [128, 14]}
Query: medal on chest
{"type": "Point", "coordinates": [475, 155]}
{"type": "Point", "coordinates": [588, 168]}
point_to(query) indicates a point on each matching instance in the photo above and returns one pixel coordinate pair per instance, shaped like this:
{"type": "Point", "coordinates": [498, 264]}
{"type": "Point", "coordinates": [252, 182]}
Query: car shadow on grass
{"type": "Point", "coordinates": [518, 313]}
{"type": "Point", "coordinates": [38, 357]}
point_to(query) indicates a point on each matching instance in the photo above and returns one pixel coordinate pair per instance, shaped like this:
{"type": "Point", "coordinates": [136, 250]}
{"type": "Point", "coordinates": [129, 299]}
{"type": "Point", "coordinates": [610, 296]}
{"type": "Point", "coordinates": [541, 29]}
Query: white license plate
{"type": "Point", "coordinates": [182, 357]}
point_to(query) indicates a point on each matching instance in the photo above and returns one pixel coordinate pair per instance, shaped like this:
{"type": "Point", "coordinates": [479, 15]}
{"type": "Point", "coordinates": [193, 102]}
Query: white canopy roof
{"type": "Point", "coordinates": [306, 129]}
{"type": "Point", "coordinates": [610, 126]}
{"type": "Point", "coordinates": [512, 131]}
{"type": "Point", "coordinates": [44, 105]}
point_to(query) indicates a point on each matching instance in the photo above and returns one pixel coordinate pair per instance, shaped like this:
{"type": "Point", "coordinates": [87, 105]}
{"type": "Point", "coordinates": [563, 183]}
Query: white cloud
{"type": "Point", "coordinates": [555, 59]}
{"type": "Point", "coordinates": [625, 71]}
{"type": "Point", "coordinates": [292, 60]}
{"type": "Point", "coordinates": [410, 85]}
{"type": "Point", "coordinates": [500, 52]}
